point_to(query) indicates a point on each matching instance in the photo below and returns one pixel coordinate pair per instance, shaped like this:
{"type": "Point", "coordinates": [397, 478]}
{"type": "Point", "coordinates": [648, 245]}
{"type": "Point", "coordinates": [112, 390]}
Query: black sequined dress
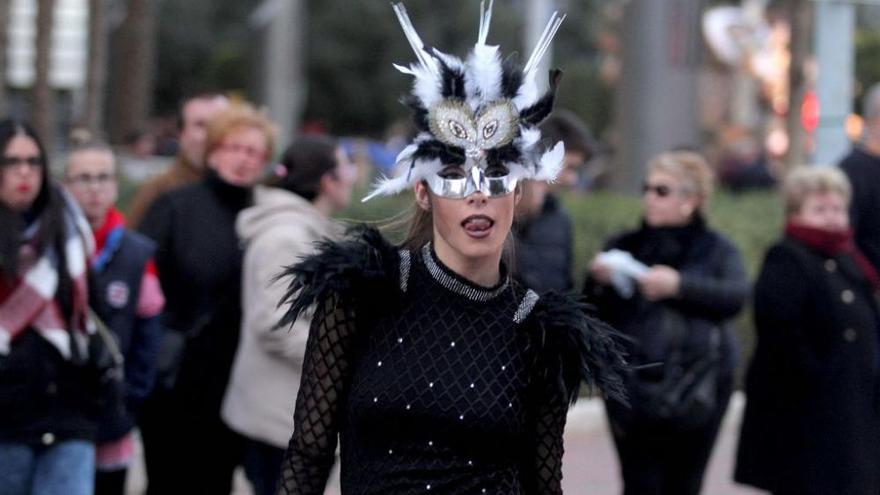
{"type": "Point", "coordinates": [431, 383]}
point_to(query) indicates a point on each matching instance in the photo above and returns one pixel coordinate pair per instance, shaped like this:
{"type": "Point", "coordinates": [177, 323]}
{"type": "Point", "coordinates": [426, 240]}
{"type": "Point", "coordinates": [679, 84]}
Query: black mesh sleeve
{"type": "Point", "coordinates": [317, 416]}
{"type": "Point", "coordinates": [550, 407]}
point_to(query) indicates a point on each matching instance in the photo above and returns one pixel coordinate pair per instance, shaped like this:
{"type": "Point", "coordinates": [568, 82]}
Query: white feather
{"type": "Point", "coordinates": [426, 86]}
{"type": "Point", "coordinates": [544, 42]}
{"type": "Point", "coordinates": [528, 93]}
{"type": "Point", "coordinates": [405, 70]}
{"type": "Point", "coordinates": [483, 77]}
{"type": "Point", "coordinates": [485, 22]}
{"type": "Point", "coordinates": [425, 60]}
{"type": "Point", "coordinates": [405, 154]}
{"type": "Point", "coordinates": [405, 178]}
{"type": "Point", "coordinates": [528, 138]}
{"type": "Point", "coordinates": [386, 186]}
{"type": "Point", "coordinates": [450, 61]}
{"type": "Point", "coordinates": [550, 163]}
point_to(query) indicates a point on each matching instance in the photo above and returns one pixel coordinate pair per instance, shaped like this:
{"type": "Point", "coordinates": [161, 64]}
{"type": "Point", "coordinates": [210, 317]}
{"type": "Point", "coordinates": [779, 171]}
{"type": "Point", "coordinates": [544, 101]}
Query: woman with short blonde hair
{"type": "Point", "coordinates": [810, 425]}
{"type": "Point", "coordinates": [199, 257]}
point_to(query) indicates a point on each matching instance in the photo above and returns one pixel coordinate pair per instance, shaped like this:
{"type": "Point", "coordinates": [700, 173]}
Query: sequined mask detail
{"type": "Point", "coordinates": [453, 122]}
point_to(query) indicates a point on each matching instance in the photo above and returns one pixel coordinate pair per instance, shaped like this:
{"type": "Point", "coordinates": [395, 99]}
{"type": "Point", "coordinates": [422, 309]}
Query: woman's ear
{"type": "Point", "coordinates": [423, 196]}
{"type": "Point", "coordinates": [517, 193]}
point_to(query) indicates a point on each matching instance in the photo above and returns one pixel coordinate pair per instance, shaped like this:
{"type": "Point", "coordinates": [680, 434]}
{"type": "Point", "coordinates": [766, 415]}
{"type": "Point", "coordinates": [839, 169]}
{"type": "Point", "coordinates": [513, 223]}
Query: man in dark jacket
{"type": "Point", "coordinates": [543, 232]}
{"type": "Point", "coordinates": [188, 167]}
{"type": "Point", "coordinates": [862, 167]}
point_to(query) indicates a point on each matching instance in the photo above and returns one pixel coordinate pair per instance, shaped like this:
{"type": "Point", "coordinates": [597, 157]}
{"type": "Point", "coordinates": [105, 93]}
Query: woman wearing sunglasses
{"type": "Point", "coordinates": [690, 284]}
{"type": "Point", "coordinates": [435, 371]}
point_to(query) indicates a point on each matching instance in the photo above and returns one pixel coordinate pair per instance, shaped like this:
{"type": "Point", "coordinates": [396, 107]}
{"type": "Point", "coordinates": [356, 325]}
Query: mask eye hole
{"type": "Point", "coordinates": [496, 171]}
{"type": "Point", "coordinates": [452, 173]}
{"type": "Point", "coordinates": [457, 129]}
{"type": "Point", "coordinates": [490, 129]}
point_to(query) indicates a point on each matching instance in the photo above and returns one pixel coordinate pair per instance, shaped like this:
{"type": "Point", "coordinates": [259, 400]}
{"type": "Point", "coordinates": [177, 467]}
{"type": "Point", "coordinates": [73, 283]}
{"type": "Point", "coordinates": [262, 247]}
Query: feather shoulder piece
{"type": "Point", "coordinates": [578, 348]}
{"type": "Point", "coordinates": [363, 262]}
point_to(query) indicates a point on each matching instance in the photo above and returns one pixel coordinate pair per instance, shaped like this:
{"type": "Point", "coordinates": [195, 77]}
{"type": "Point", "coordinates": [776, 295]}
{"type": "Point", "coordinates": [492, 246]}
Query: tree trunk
{"type": "Point", "coordinates": [4, 37]}
{"type": "Point", "coordinates": [96, 79]}
{"type": "Point", "coordinates": [135, 68]}
{"type": "Point", "coordinates": [44, 103]}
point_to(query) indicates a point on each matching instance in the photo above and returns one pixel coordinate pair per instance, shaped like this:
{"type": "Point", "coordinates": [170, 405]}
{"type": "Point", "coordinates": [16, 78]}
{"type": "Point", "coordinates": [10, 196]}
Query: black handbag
{"type": "Point", "coordinates": [106, 361]}
{"type": "Point", "coordinates": [172, 348]}
{"type": "Point", "coordinates": [681, 392]}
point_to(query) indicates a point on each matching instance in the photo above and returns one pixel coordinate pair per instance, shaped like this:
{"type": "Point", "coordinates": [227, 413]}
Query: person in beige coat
{"type": "Point", "coordinates": [313, 181]}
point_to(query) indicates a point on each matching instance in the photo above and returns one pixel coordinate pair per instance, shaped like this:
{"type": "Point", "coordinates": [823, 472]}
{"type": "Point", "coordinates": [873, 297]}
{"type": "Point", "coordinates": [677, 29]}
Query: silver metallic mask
{"type": "Point", "coordinates": [474, 181]}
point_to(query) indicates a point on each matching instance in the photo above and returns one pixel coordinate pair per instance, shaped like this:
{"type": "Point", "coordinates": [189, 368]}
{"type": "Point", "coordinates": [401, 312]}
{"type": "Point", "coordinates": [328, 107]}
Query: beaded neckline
{"type": "Point", "coordinates": [458, 284]}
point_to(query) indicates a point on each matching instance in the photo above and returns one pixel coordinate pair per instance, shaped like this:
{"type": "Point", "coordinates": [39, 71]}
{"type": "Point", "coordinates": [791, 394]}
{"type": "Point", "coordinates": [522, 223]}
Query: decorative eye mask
{"type": "Point", "coordinates": [478, 112]}
{"type": "Point", "coordinates": [476, 180]}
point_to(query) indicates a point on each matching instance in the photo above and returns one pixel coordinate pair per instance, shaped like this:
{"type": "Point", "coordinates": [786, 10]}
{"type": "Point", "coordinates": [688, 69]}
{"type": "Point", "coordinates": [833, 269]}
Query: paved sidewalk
{"type": "Point", "coordinates": [590, 464]}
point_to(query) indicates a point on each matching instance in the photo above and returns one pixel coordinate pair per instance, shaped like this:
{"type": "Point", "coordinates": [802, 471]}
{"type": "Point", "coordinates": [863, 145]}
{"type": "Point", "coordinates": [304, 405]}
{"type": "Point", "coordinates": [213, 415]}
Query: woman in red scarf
{"type": "Point", "coordinates": [48, 388]}
{"type": "Point", "coordinates": [811, 423]}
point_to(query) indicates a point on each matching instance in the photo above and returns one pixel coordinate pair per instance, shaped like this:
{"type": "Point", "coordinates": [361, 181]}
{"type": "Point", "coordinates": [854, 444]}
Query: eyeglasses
{"type": "Point", "coordinates": [661, 190]}
{"type": "Point", "coordinates": [248, 151]}
{"type": "Point", "coordinates": [85, 180]}
{"type": "Point", "coordinates": [9, 161]}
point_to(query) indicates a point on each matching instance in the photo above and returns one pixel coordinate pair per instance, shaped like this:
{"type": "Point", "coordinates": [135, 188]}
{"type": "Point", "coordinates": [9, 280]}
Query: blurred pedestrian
{"type": "Point", "coordinates": [313, 181]}
{"type": "Point", "coordinates": [126, 295]}
{"type": "Point", "coordinates": [188, 168]}
{"type": "Point", "coordinates": [187, 446]}
{"type": "Point", "coordinates": [436, 372]}
{"type": "Point", "coordinates": [48, 389]}
{"type": "Point", "coordinates": [862, 167]}
{"type": "Point", "coordinates": [543, 235]}
{"type": "Point", "coordinates": [690, 282]}
{"type": "Point", "coordinates": [811, 423]}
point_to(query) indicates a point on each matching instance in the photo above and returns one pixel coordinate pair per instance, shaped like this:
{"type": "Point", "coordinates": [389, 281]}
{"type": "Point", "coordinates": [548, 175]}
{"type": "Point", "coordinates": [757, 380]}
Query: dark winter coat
{"type": "Point", "coordinates": [863, 171]}
{"type": "Point", "coordinates": [811, 423]}
{"type": "Point", "coordinates": [116, 291]}
{"type": "Point", "coordinates": [714, 288]}
{"type": "Point", "coordinates": [199, 261]}
{"type": "Point", "coordinates": [543, 249]}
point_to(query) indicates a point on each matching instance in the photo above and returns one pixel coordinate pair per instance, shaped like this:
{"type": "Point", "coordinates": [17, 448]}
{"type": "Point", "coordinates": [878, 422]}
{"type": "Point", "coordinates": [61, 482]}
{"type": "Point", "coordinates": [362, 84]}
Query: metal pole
{"type": "Point", "coordinates": [833, 25]}
{"type": "Point", "coordinates": [538, 12]}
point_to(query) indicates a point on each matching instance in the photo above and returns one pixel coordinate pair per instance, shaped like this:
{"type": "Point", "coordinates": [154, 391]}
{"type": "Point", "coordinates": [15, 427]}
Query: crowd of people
{"type": "Point", "coordinates": [233, 322]}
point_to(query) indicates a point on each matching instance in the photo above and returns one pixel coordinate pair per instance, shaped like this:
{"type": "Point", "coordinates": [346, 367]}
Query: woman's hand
{"type": "Point", "coordinates": [660, 282]}
{"type": "Point", "coordinates": [600, 272]}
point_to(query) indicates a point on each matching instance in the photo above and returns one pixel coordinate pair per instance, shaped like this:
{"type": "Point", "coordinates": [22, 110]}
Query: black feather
{"type": "Point", "coordinates": [536, 113]}
{"type": "Point", "coordinates": [505, 154]}
{"type": "Point", "coordinates": [453, 82]}
{"type": "Point", "coordinates": [579, 348]}
{"type": "Point", "coordinates": [420, 113]}
{"type": "Point", "coordinates": [362, 263]}
{"type": "Point", "coordinates": [511, 76]}
{"type": "Point", "coordinates": [448, 155]}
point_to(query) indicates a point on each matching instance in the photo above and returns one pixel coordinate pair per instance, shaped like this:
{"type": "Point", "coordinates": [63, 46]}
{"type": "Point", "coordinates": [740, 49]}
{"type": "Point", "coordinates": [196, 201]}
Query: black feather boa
{"type": "Point", "coordinates": [342, 267]}
{"type": "Point", "coordinates": [579, 348]}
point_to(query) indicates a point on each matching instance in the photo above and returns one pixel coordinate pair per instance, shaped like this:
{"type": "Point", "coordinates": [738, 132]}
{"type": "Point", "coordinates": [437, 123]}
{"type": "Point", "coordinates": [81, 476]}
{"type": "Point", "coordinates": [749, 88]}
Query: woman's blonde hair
{"type": "Point", "coordinates": [239, 115]}
{"type": "Point", "coordinates": [688, 167]}
{"type": "Point", "coordinates": [804, 181]}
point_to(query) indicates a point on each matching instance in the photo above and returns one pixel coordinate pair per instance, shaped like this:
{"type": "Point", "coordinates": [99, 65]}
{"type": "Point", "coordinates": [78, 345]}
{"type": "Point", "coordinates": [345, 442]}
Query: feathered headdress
{"type": "Point", "coordinates": [477, 113]}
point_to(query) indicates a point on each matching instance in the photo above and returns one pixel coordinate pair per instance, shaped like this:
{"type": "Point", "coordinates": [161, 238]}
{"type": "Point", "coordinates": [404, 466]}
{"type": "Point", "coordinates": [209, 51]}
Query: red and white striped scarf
{"type": "Point", "coordinates": [32, 303]}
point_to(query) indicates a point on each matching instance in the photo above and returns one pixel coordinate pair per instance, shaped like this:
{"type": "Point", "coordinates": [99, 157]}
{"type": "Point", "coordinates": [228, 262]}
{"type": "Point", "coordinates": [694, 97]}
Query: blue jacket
{"type": "Point", "coordinates": [116, 283]}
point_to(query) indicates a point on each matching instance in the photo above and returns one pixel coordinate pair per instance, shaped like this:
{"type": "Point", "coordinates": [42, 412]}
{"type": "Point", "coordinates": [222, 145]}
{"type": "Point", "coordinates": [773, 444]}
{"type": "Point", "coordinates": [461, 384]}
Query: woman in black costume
{"type": "Point", "coordinates": [437, 372]}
